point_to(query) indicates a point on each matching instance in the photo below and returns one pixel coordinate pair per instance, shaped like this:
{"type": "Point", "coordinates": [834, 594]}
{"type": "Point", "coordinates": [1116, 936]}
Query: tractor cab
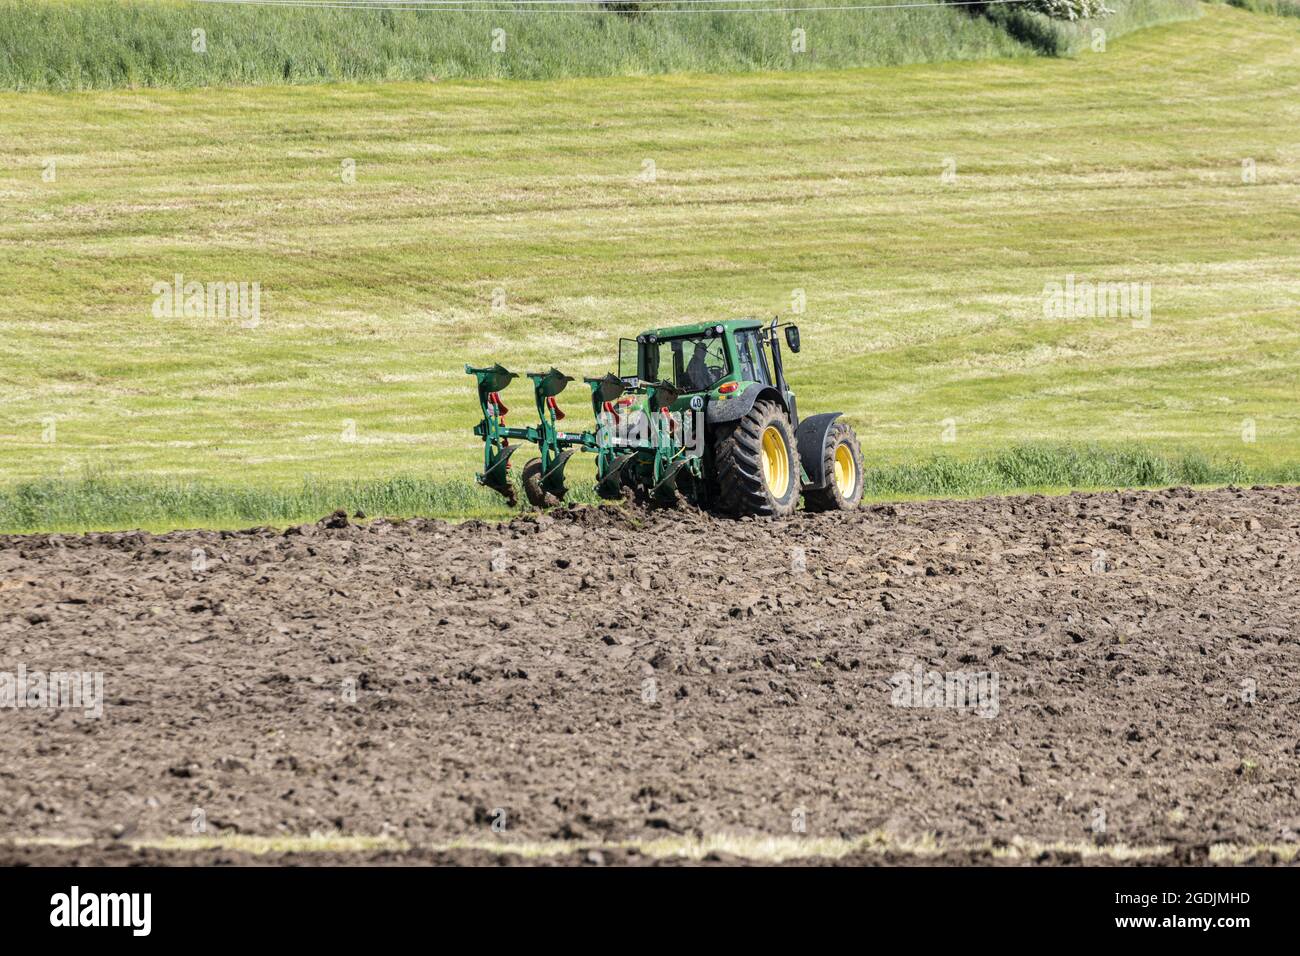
{"type": "Point", "coordinates": [711, 360]}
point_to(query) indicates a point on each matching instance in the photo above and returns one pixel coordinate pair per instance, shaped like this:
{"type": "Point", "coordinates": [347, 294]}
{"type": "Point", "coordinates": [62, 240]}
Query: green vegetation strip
{"type": "Point", "coordinates": [107, 503]}
{"type": "Point", "coordinates": [101, 44]}
{"type": "Point", "coordinates": [1281, 8]}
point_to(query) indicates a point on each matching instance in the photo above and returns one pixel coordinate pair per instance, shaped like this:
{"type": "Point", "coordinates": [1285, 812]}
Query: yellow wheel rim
{"type": "Point", "coordinates": [776, 462]}
{"type": "Point", "coordinates": [846, 472]}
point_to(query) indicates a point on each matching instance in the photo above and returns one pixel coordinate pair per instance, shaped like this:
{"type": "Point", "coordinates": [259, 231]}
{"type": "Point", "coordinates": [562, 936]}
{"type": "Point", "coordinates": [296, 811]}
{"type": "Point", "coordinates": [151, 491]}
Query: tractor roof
{"type": "Point", "coordinates": [695, 328]}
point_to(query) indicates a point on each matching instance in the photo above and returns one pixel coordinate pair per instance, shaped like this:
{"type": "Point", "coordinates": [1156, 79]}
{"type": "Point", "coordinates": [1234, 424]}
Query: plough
{"type": "Point", "coordinates": [637, 434]}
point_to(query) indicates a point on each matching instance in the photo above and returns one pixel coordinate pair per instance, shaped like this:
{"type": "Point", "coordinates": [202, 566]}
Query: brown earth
{"type": "Point", "coordinates": [603, 675]}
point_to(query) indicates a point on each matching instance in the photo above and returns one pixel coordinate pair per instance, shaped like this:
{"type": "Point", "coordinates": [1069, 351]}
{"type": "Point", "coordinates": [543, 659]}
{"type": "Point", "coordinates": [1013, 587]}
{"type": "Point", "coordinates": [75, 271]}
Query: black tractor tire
{"type": "Point", "coordinates": [842, 460]}
{"type": "Point", "coordinates": [748, 455]}
{"type": "Point", "coordinates": [531, 479]}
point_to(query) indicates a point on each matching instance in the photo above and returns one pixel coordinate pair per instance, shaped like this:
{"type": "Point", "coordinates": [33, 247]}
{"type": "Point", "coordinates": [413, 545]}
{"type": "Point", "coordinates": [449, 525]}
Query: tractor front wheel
{"type": "Point", "coordinates": [842, 460]}
{"type": "Point", "coordinates": [757, 464]}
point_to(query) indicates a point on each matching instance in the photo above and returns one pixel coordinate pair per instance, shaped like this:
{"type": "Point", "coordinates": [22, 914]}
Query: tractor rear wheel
{"type": "Point", "coordinates": [756, 463]}
{"type": "Point", "coordinates": [842, 460]}
{"type": "Point", "coordinates": [531, 479]}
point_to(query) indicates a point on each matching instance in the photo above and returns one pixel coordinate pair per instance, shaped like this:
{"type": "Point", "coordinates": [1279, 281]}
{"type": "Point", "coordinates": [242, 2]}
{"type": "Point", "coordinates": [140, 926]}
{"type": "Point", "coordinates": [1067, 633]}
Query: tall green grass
{"type": "Point", "coordinates": [1062, 466]}
{"type": "Point", "coordinates": [111, 502]}
{"type": "Point", "coordinates": [1281, 8]}
{"type": "Point", "coordinates": [103, 44]}
{"type": "Point", "coordinates": [99, 502]}
{"type": "Point", "coordinates": [99, 44]}
{"type": "Point", "coordinates": [1066, 37]}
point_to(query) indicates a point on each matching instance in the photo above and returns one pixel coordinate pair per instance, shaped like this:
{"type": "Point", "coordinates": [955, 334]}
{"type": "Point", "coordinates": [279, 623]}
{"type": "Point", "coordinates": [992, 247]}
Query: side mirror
{"type": "Point", "coordinates": [792, 337]}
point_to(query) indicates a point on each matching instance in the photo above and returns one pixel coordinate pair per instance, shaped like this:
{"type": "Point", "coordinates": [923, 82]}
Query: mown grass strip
{"type": "Point", "coordinates": [760, 849]}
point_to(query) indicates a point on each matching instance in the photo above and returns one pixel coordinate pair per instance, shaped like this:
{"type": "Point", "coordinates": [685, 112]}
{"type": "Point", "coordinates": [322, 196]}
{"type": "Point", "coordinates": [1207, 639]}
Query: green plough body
{"type": "Point", "coordinates": [641, 444]}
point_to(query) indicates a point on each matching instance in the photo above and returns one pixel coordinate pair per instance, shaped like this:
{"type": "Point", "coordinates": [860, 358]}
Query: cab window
{"type": "Point", "coordinates": [753, 360]}
{"type": "Point", "coordinates": [690, 363]}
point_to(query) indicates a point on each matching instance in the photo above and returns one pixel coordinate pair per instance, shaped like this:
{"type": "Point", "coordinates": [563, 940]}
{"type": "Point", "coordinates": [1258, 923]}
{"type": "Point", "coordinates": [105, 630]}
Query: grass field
{"type": "Point", "coordinates": [99, 44]}
{"type": "Point", "coordinates": [518, 222]}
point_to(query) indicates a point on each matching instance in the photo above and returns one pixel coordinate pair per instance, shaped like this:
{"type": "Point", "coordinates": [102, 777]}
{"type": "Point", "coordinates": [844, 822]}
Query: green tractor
{"type": "Point", "coordinates": [701, 412]}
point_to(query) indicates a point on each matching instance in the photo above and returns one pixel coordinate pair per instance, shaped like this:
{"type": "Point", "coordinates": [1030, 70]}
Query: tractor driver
{"type": "Point", "coordinates": [700, 376]}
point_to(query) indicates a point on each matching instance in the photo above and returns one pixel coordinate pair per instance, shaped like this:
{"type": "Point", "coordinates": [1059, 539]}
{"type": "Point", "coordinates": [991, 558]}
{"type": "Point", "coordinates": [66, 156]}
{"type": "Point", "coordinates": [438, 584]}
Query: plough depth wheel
{"type": "Point", "coordinates": [531, 479]}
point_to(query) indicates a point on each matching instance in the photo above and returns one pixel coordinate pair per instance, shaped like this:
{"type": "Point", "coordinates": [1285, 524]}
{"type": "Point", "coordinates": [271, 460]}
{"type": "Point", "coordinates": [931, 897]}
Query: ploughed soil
{"type": "Point", "coordinates": [609, 675]}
